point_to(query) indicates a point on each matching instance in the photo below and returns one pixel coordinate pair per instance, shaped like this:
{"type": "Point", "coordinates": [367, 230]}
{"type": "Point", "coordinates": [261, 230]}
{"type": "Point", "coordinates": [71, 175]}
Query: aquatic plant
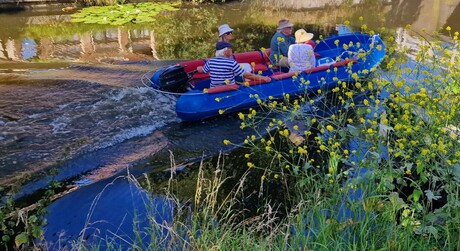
{"type": "Point", "coordinates": [123, 14]}
{"type": "Point", "coordinates": [22, 227]}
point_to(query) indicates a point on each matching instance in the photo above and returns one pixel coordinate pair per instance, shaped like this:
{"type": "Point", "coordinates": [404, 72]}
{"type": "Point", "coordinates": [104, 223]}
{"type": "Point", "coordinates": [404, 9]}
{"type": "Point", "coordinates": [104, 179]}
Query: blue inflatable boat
{"type": "Point", "coordinates": [340, 58]}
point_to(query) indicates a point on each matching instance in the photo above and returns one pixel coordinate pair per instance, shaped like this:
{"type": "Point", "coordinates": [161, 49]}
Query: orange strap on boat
{"type": "Point", "coordinates": [284, 75]}
{"type": "Point", "coordinates": [257, 82]}
{"type": "Point", "coordinates": [318, 68]}
{"type": "Point", "coordinates": [223, 88]}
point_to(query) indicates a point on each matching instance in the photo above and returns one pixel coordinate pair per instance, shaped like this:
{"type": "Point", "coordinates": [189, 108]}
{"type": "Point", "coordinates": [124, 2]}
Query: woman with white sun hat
{"type": "Point", "coordinates": [301, 55]}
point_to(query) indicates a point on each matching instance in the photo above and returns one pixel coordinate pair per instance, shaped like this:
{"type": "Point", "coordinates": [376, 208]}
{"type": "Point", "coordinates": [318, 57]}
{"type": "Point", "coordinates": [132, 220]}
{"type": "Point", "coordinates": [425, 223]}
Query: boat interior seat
{"type": "Point", "coordinates": [199, 75]}
{"type": "Point", "coordinates": [251, 57]}
{"type": "Point", "coordinates": [259, 61]}
{"type": "Point", "coordinates": [259, 67]}
{"type": "Point", "coordinates": [266, 56]}
{"type": "Point", "coordinates": [192, 65]}
{"type": "Point", "coordinates": [256, 59]}
{"type": "Point", "coordinates": [317, 68]}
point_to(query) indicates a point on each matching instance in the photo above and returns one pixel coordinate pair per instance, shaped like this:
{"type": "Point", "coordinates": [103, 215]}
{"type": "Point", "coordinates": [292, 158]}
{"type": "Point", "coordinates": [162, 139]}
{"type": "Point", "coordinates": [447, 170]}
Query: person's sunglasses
{"type": "Point", "coordinates": [228, 33]}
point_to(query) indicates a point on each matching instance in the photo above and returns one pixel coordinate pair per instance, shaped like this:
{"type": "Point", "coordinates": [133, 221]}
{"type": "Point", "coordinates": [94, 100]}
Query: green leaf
{"type": "Point", "coordinates": [122, 14]}
{"type": "Point", "coordinates": [430, 195]}
{"type": "Point", "coordinates": [456, 173]}
{"type": "Point", "coordinates": [396, 201]}
{"type": "Point", "coordinates": [33, 219]}
{"type": "Point", "coordinates": [37, 232]}
{"type": "Point", "coordinates": [420, 167]}
{"type": "Point", "coordinates": [427, 230]}
{"type": "Point", "coordinates": [21, 238]}
{"type": "Point", "coordinates": [416, 195]}
{"type": "Point", "coordinates": [5, 238]}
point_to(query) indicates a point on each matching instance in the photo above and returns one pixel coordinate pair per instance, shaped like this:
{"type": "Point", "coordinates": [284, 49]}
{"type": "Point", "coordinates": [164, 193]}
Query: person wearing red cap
{"type": "Point", "coordinates": [223, 68]}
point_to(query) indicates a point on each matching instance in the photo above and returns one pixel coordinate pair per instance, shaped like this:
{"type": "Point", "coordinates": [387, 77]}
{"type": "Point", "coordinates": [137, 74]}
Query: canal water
{"type": "Point", "coordinates": [73, 107]}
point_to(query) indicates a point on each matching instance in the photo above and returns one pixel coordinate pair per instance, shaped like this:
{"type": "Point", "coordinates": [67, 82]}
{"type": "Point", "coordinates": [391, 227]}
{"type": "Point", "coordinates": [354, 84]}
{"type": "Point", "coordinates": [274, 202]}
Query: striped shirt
{"type": "Point", "coordinates": [222, 70]}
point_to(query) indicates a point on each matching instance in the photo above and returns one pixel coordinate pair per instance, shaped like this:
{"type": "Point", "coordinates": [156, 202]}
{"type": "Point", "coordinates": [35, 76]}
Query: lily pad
{"type": "Point", "coordinates": [123, 14]}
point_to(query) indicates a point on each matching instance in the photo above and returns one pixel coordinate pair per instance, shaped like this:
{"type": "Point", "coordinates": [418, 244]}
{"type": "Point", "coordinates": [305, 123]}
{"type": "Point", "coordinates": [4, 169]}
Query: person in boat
{"type": "Point", "coordinates": [223, 68]}
{"type": "Point", "coordinates": [225, 33]}
{"type": "Point", "coordinates": [280, 43]}
{"type": "Point", "coordinates": [301, 55]}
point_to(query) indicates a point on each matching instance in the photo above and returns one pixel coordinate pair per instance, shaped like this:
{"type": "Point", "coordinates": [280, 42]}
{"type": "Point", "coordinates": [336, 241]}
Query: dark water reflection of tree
{"type": "Point", "coordinates": [404, 12]}
{"type": "Point", "coordinates": [453, 20]}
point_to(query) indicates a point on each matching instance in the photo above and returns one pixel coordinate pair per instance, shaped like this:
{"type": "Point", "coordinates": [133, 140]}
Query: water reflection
{"type": "Point", "coordinates": [299, 4]}
{"type": "Point", "coordinates": [424, 14]}
{"type": "Point", "coordinates": [10, 49]}
{"type": "Point", "coordinates": [89, 46]}
{"type": "Point", "coordinates": [40, 36]}
{"type": "Point", "coordinates": [453, 20]}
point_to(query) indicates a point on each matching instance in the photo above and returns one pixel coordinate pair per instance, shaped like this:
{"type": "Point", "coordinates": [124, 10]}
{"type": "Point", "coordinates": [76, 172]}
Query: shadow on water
{"type": "Point", "coordinates": [109, 205]}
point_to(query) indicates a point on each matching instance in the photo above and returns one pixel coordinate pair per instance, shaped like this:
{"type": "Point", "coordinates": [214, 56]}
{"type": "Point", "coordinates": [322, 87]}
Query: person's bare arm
{"type": "Point", "coordinates": [200, 69]}
{"type": "Point", "coordinates": [257, 77]}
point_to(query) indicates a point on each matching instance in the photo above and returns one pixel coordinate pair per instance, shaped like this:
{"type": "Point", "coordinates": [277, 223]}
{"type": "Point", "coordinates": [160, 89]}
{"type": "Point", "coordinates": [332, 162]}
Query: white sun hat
{"type": "Point", "coordinates": [301, 36]}
{"type": "Point", "coordinates": [224, 29]}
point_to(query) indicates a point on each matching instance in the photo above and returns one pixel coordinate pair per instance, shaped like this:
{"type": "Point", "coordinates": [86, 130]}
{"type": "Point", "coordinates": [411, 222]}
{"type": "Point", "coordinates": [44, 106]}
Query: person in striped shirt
{"type": "Point", "coordinates": [223, 69]}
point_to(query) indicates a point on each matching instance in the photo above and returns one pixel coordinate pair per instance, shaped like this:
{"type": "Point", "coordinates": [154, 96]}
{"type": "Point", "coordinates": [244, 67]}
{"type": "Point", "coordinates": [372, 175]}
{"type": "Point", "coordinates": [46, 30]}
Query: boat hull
{"type": "Point", "coordinates": [362, 55]}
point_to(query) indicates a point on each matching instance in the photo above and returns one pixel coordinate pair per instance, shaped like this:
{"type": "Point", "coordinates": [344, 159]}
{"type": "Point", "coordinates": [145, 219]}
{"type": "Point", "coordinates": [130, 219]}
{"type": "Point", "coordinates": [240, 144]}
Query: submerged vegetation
{"type": "Point", "coordinates": [116, 2]}
{"type": "Point", "coordinates": [123, 14]}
